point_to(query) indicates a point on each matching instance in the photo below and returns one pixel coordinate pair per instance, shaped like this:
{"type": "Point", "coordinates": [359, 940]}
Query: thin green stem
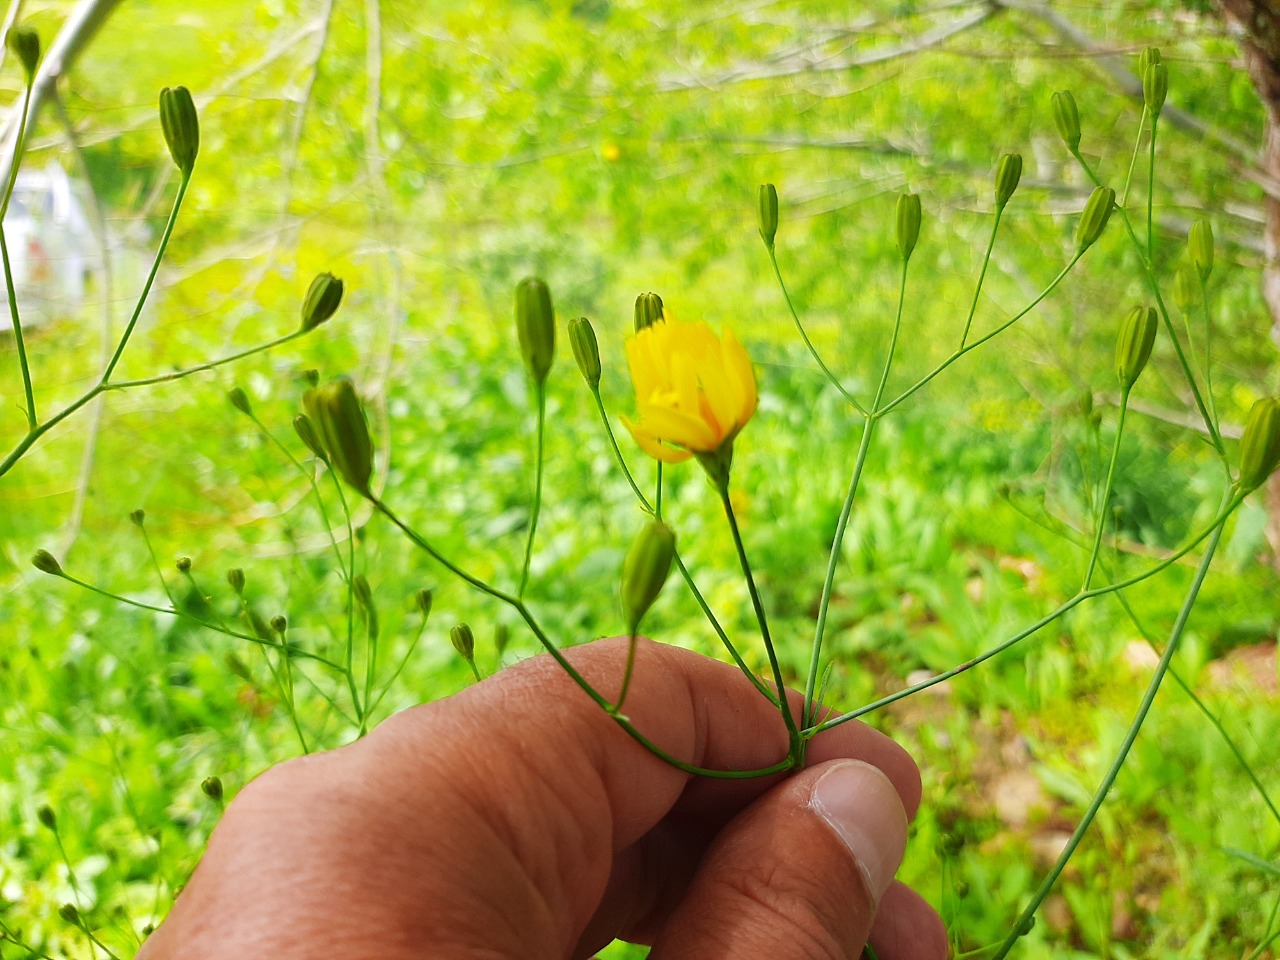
{"type": "Point", "coordinates": [893, 341]}
{"type": "Point", "coordinates": [657, 494]}
{"type": "Point", "coordinates": [783, 706]}
{"type": "Point", "coordinates": [828, 583]}
{"type": "Point", "coordinates": [360, 712]}
{"type": "Point", "coordinates": [627, 672]}
{"type": "Point", "coordinates": [617, 452]}
{"type": "Point", "coordinates": [1021, 635]}
{"type": "Point", "coordinates": [404, 660]}
{"type": "Point", "coordinates": [207, 365]}
{"type": "Point", "coordinates": [1133, 158]}
{"type": "Point", "coordinates": [151, 277]}
{"type": "Point", "coordinates": [1104, 788]}
{"type": "Point", "coordinates": [537, 488]}
{"type": "Point", "coordinates": [283, 677]}
{"type": "Point", "coordinates": [1149, 269]}
{"type": "Point", "coordinates": [1208, 347]}
{"type": "Point", "coordinates": [788, 762]}
{"type": "Point", "coordinates": [1151, 190]}
{"type": "Point", "coordinates": [919, 384]}
{"type": "Point", "coordinates": [216, 627]}
{"type": "Point", "coordinates": [1106, 491]}
{"type": "Point", "coordinates": [813, 351]}
{"type": "Point", "coordinates": [982, 276]}
{"type": "Point", "coordinates": [19, 143]}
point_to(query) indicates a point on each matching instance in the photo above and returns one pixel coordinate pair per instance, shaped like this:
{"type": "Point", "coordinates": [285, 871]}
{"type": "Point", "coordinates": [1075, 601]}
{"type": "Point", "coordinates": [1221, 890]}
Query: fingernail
{"type": "Point", "coordinates": [864, 809]}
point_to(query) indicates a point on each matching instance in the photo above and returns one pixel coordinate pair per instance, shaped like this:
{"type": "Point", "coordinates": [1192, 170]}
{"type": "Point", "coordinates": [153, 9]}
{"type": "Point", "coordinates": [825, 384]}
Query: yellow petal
{"type": "Point", "coordinates": [653, 448]}
{"type": "Point", "coordinates": [677, 427]}
{"type": "Point", "coordinates": [738, 367]}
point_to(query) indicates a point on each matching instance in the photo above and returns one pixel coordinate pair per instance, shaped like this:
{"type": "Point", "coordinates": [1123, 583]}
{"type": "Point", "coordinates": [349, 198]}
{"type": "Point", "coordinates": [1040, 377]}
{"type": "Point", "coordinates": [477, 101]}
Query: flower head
{"type": "Point", "coordinates": [694, 391]}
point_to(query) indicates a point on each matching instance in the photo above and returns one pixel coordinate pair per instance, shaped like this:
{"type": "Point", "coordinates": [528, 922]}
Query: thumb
{"type": "Point", "coordinates": [798, 874]}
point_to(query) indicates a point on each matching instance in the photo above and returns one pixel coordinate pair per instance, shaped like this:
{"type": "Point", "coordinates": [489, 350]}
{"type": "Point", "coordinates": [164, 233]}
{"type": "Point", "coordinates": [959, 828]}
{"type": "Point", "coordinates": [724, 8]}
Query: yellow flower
{"type": "Point", "coordinates": [694, 391]}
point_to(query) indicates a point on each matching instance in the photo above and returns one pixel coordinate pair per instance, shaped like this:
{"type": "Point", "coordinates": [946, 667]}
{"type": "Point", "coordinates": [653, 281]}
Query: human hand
{"type": "Point", "coordinates": [517, 820]}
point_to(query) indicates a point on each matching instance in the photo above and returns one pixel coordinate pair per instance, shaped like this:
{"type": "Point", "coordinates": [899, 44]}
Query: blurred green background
{"type": "Point", "coordinates": [432, 155]}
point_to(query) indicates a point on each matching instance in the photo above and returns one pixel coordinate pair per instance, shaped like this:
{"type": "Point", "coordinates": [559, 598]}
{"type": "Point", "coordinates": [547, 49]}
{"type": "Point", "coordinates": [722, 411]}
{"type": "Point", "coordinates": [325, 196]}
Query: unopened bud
{"type": "Point", "coordinates": [582, 338]}
{"type": "Point", "coordinates": [1146, 58]}
{"type": "Point", "coordinates": [464, 641]}
{"type": "Point", "coordinates": [183, 564]}
{"type": "Point", "coordinates": [181, 127]}
{"type": "Point", "coordinates": [1097, 211]}
{"type": "Point", "coordinates": [907, 222]}
{"type": "Point", "coordinates": [1008, 173]}
{"type": "Point", "coordinates": [69, 913]}
{"type": "Point", "coordinates": [1260, 445]}
{"type": "Point", "coordinates": [235, 578]}
{"type": "Point", "coordinates": [1133, 347]}
{"type": "Point", "coordinates": [312, 376]}
{"type": "Point", "coordinates": [501, 637]}
{"type": "Point", "coordinates": [211, 787]}
{"type": "Point", "coordinates": [1067, 119]}
{"type": "Point", "coordinates": [237, 666]}
{"type": "Point", "coordinates": [240, 400]}
{"type": "Point", "coordinates": [136, 517]}
{"type": "Point", "coordinates": [535, 327]}
{"type": "Point", "coordinates": [1155, 87]}
{"type": "Point", "coordinates": [768, 213]}
{"type": "Point", "coordinates": [649, 310]}
{"type": "Point", "coordinates": [25, 44]}
{"type": "Point", "coordinates": [48, 819]}
{"type": "Point", "coordinates": [1200, 247]}
{"type": "Point", "coordinates": [279, 623]}
{"type": "Point", "coordinates": [424, 599]}
{"type": "Point", "coordinates": [306, 432]}
{"type": "Point", "coordinates": [1186, 291]}
{"type": "Point", "coordinates": [321, 301]}
{"type": "Point", "coordinates": [343, 432]}
{"type": "Point", "coordinates": [364, 596]}
{"type": "Point", "coordinates": [45, 562]}
{"type": "Point", "coordinates": [645, 570]}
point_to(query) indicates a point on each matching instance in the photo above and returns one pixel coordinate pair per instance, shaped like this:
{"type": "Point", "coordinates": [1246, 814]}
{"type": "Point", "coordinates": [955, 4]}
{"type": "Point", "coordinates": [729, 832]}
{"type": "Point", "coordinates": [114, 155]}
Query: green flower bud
{"type": "Point", "coordinates": [908, 224]}
{"type": "Point", "coordinates": [44, 562]}
{"type": "Point", "coordinates": [1097, 211]}
{"type": "Point", "coordinates": [501, 638]}
{"type": "Point", "coordinates": [237, 666]}
{"type": "Point", "coordinates": [279, 623]}
{"type": "Point", "coordinates": [306, 432]}
{"type": "Point", "coordinates": [312, 376]}
{"type": "Point", "coordinates": [645, 570]}
{"type": "Point", "coordinates": [69, 913]}
{"type": "Point", "coordinates": [235, 579]}
{"type": "Point", "coordinates": [181, 127]}
{"type": "Point", "coordinates": [1008, 173]}
{"type": "Point", "coordinates": [1200, 247]}
{"type": "Point", "coordinates": [364, 596]}
{"type": "Point", "coordinates": [464, 641]}
{"type": "Point", "coordinates": [48, 819]}
{"type": "Point", "coordinates": [582, 338]}
{"type": "Point", "coordinates": [1067, 119]}
{"type": "Point", "coordinates": [536, 327]}
{"type": "Point", "coordinates": [1146, 58]}
{"type": "Point", "coordinates": [240, 400]}
{"type": "Point", "coordinates": [1133, 347]}
{"type": "Point", "coordinates": [25, 44]}
{"type": "Point", "coordinates": [183, 564]}
{"type": "Point", "coordinates": [1186, 292]}
{"type": "Point", "coordinates": [321, 301]}
{"type": "Point", "coordinates": [1260, 445]}
{"type": "Point", "coordinates": [211, 787]}
{"type": "Point", "coordinates": [649, 310]}
{"type": "Point", "coordinates": [136, 517]}
{"type": "Point", "coordinates": [768, 213]}
{"type": "Point", "coordinates": [424, 598]}
{"type": "Point", "coordinates": [1155, 87]}
{"type": "Point", "coordinates": [337, 417]}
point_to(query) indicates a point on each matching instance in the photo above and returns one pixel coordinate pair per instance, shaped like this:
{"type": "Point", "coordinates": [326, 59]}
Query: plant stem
{"type": "Point", "coordinates": [151, 277]}
{"type": "Point", "coordinates": [1106, 491]}
{"type": "Point", "coordinates": [783, 706]}
{"type": "Point", "coordinates": [1208, 346]}
{"type": "Point", "coordinates": [19, 143]}
{"type": "Point", "coordinates": [1122, 754]}
{"type": "Point", "coordinates": [1133, 158]}
{"type": "Point", "coordinates": [1021, 635]}
{"type": "Point", "coordinates": [813, 351]}
{"type": "Point", "coordinates": [893, 341]}
{"type": "Point", "coordinates": [617, 452]}
{"type": "Point", "coordinates": [537, 489]}
{"type": "Point", "coordinates": [982, 276]}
